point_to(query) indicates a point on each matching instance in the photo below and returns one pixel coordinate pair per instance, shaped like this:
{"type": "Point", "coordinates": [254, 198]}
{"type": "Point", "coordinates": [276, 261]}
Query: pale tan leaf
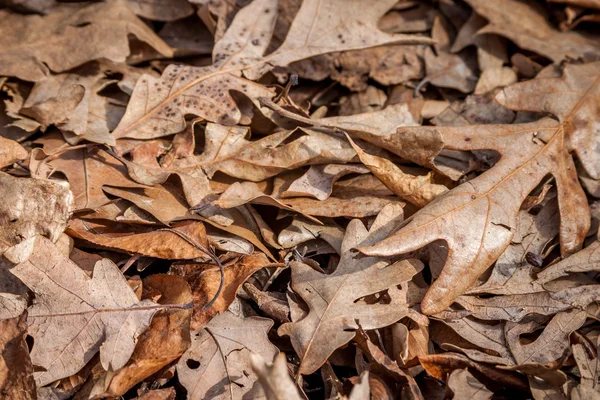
{"type": "Point", "coordinates": [489, 204]}
{"type": "Point", "coordinates": [332, 25]}
{"type": "Point", "coordinates": [76, 316]}
{"type": "Point", "coordinates": [33, 45]}
{"type": "Point", "coordinates": [353, 207]}
{"type": "Point", "coordinates": [218, 364]}
{"type": "Point", "coordinates": [334, 313]}
{"type": "Point", "coordinates": [161, 10]}
{"type": "Point", "coordinates": [551, 344]}
{"type": "Point", "coordinates": [274, 380]}
{"type": "Point", "coordinates": [532, 30]}
{"type": "Point", "coordinates": [465, 386]}
{"type": "Point", "coordinates": [318, 181]}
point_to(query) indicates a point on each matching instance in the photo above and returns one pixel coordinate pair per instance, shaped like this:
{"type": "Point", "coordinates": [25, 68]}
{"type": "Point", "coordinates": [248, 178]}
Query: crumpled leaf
{"type": "Point", "coordinates": [75, 316]}
{"type": "Point", "coordinates": [334, 313]}
{"type": "Point", "coordinates": [33, 45]}
{"type": "Point", "coordinates": [206, 279]}
{"type": "Point", "coordinates": [31, 207]}
{"type": "Point", "coordinates": [486, 203]}
{"type": "Point", "coordinates": [318, 181]}
{"type": "Point", "coordinates": [419, 190]}
{"type": "Point", "coordinates": [149, 242]}
{"type": "Point", "coordinates": [218, 364]}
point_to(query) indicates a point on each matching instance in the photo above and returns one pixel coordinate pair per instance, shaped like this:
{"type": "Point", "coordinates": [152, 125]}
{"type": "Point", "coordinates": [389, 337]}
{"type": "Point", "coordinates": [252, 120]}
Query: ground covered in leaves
{"type": "Point", "coordinates": [285, 199]}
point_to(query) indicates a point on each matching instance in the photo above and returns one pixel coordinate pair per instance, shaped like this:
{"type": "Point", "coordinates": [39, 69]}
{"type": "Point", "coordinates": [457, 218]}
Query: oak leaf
{"type": "Point", "coordinates": [334, 313]}
{"type": "Point", "coordinates": [75, 316]}
{"type": "Point", "coordinates": [489, 204]}
{"type": "Point", "coordinates": [157, 106]}
{"type": "Point", "coordinates": [33, 45]}
{"type": "Point", "coordinates": [218, 364]}
{"type": "Point", "coordinates": [274, 380]}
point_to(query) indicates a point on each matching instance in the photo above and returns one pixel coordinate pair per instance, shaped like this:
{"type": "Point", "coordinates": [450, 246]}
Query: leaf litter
{"type": "Point", "coordinates": [285, 199]}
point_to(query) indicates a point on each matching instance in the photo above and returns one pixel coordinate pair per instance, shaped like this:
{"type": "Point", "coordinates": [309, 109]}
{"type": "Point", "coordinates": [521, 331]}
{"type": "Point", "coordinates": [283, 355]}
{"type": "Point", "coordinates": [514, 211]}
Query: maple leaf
{"type": "Point", "coordinates": [334, 313]}
{"type": "Point", "coordinates": [73, 316]}
{"type": "Point", "coordinates": [488, 205]}
{"type": "Point", "coordinates": [157, 106]}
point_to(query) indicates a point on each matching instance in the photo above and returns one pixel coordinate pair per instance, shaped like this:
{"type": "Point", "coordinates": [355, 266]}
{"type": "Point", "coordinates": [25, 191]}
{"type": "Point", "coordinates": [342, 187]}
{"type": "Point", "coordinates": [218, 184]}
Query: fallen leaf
{"type": "Point", "coordinates": [334, 313]}
{"type": "Point", "coordinates": [32, 207]}
{"type": "Point", "coordinates": [483, 195]}
{"type": "Point", "coordinates": [161, 10]}
{"type": "Point", "coordinates": [532, 30]}
{"type": "Point", "coordinates": [16, 371]}
{"type": "Point", "coordinates": [274, 380]}
{"type": "Point", "coordinates": [71, 325]}
{"type": "Point", "coordinates": [205, 281]}
{"type": "Point", "coordinates": [218, 364]}
{"type": "Point", "coordinates": [465, 386]}
{"type": "Point", "coordinates": [318, 181]}
{"type": "Point", "coordinates": [33, 45]}
{"type": "Point", "coordinates": [184, 241]}
{"type": "Point", "coordinates": [10, 152]}
{"type": "Point", "coordinates": [165, 340]}
{"type": "Point", "coordinates": [419, 190]}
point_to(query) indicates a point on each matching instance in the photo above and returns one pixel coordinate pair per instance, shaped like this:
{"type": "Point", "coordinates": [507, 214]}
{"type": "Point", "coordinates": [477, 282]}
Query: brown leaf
{"type": "Point", "coordinates": [161, 10]}
{"type": "Point", "coordinates": [16, 371]}
{"type": "Point", "coordinates": [157, 106]}
{"type": "Point", "coordinates": [318, 181]}
{"type": "Point", "coordinates": [530, 160]}
{"type": "Point", "coordinates": [165, 340]}
{"type": "Point", "coordinates": [419, 190]}
{"type": "Point", "coordinates": [10, 152]}
{"type": "Point", "coordinates": [334, 313]}
{"type": "Point", "coordinates": [87, 172]}
{"type": "Point", "coordinates": [31, 207]}
{"type": "Point", "coordinates": [148, 242]}
{"type": "Point", "coordinates": [274, 380]}
{"type": "Point", "coordinates": [76, 316]}
{"type": "Point", "coordinates": [34, 44]}
{"type": "Point", "coordinates": [440, 366]}
{"type": "Point", "coordinates": [206, 279]}
{"type": "Point", "coordinates": [551, 344]}
{"type": "Point", "coordinates": [353, 207]}
{"type": "Point", "coordinates": [465, 386]}
{"type": "Point", "coordinates": [532, 30]}
{"type": "Point", "coordinates": [218, 364]}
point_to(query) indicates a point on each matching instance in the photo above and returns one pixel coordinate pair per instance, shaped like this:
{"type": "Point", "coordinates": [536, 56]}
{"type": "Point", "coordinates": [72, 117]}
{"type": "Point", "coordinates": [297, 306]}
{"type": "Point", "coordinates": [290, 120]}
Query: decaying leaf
{"type": "Point", "coordinates": [332, 299]}
{"type": "Point", "coordinates": [16, 371]}
{"type": "Point", "coordinates": [465, 386]}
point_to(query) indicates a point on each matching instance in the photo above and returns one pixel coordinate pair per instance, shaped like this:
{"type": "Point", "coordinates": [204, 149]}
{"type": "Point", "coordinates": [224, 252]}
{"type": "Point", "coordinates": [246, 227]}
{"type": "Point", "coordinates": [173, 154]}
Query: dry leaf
{"type": "Point", "coordinates": [419, 190]}
{"type": "Point", "coordinates": [531, 30]}
{"type": "Point", "coordinates": [275, 380]}
{"type": "Point", "coordinates": [16, 371]}
{"type": "Point", "coordinates": [218, 364]}
{"type": "Point", "coordinates": [10, 152]}
{"type": "Point", "coordinates": [33, 45]}
{"type": "Point", "coordinates": [465, 386]}
{"type": "Point", "coordinates": [545, 144]}
{"type": "Point", "coordinates": [205, 281]}
{"type": "Point", "coordinates": [32, 207]}
{"type": "Point", "coordinates": [71, 325]}
{"type": "Point", "coordinates": [334, 313]}
{"type": "Point", "coordinates": [161, 10]}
